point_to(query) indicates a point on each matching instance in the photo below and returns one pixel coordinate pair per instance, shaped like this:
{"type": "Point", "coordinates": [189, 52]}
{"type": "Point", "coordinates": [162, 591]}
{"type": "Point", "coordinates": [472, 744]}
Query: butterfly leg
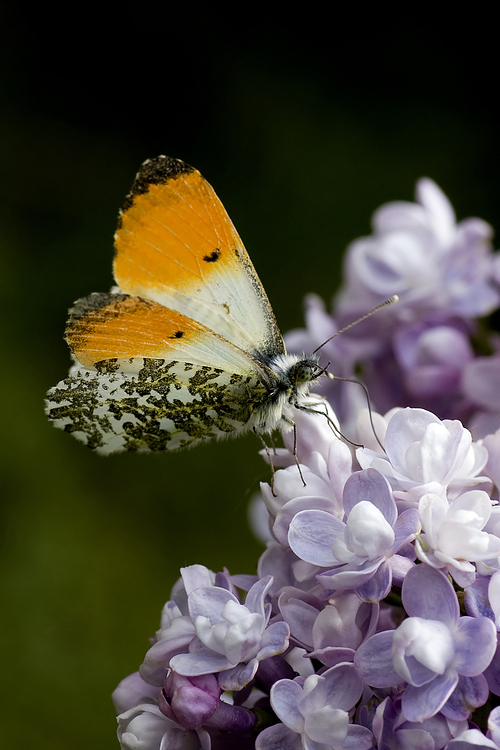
{"type": "Point", "coordinates": [273, 444]}
{"type": "Point", "coordinates": [330, 421]}
{"type": "Point", "coordinates": [292, 423]}
{"type": "Point", "coordinates": [270, 459]}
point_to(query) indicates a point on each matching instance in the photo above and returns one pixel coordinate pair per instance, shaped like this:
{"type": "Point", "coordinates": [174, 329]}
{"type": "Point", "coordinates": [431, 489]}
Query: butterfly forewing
{"type": "Point", "coordinates": [176, 245]}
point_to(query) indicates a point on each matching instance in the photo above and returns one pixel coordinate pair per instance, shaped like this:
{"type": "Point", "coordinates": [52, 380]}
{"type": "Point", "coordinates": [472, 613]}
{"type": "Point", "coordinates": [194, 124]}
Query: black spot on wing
{"type": "Point", "coordinates": [177, 335]}
{"type": "Point", "coordinates": [213, 257]}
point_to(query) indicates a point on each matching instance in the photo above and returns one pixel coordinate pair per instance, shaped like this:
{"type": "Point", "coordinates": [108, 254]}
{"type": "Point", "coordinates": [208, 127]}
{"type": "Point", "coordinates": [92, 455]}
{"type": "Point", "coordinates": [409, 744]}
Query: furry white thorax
{"type": "Point", "coordinates": [294, 376]}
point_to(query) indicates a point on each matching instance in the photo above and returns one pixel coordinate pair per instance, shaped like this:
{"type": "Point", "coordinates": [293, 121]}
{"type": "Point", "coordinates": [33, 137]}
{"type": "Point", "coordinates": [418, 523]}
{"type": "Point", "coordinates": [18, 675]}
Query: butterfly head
{"type": "Point", "coordinates": [295, 374]}
{"type": "Point", "coordinates": [305, 371]}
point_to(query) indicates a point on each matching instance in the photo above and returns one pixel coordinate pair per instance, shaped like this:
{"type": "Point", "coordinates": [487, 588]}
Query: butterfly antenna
{"type": "Point", "coordinates": [269, 458]}
{"type": "Point", "coordinates": [387, 302]}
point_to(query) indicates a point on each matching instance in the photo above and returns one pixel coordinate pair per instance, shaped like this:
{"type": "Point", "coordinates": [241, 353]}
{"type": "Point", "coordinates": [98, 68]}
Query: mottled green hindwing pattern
{"type": "Point", "coordinates": [163, 406]}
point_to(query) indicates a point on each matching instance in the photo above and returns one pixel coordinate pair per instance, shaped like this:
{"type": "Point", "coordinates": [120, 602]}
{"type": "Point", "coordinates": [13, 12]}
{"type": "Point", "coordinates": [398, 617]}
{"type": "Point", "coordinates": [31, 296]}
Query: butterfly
{"type": "Point", "coordinates": [186, 346]}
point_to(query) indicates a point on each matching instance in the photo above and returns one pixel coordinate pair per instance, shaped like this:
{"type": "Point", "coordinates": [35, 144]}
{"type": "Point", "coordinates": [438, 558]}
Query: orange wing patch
{"type": "Point", "coordinates": [173, 232]}
{"type": "Point", "coordinates": [108, 326]}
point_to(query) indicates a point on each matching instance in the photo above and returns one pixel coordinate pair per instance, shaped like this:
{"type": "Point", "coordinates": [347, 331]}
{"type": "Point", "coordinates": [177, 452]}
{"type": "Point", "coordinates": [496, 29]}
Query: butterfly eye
{"type": "Point", "coordinates": [304, 371]}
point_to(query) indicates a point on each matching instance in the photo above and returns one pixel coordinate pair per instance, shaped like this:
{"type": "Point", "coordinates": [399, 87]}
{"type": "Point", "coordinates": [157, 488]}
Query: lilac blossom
{"type": "Point", "coordinates": [453, 536]}
{"type": "Point", "coordinates": [144, 727]}
{"type": "Point", "coordinates": [419, 252]}
{"type": "Point", "coordinates": [358, 551]}
{"type": "Point", "coordinates": [421, 452]}
{"type": "Point", "coordinates": [418, 352]}
{"type": "Point", "coordinates": [176, 629]}
{"type": "Point", "coordinates": [231, 638]}
{"type": "Point", "coordinates": [315, 713]}
{"type": "Point", "coordinates": [430, 650]}
{"type": "Point", "coordinates": [392, 730]}
{"type": "Point", "coordinates": [330, 632]}
{"type": "Point", "coordinates": [472, 739]}
{"type": "Point", "coordinates": [351, 634]}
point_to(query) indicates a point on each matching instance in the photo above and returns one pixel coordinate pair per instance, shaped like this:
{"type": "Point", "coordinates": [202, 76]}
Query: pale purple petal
{"type": "Point", "coordinates": [174, 640]}
{"type": "Point", "coordinates": [339, 465]}
{"type": "Point", "coordinates": [492, 468]}
{"type": "Point", "coordinates": [469, 694]}
{"type": "Point", "coordinates": [285, 697]}
{"type": "Point", "coordinates": [288, 485]}
{"type": "Point", "coordinates": [358, 738]}
{"type": "Point", "coordinates": [208, 602]}
{"type": "Point", "coordinates": [300, 611]}
{"type": "Point", "coordinates": [471, 739]}
{"type": "Point", "coordinates": [348, 577]}
{"type": "Point", "coordinates": [311, 536]}
{"type": "Point", "coordinates": [378, 586]}
{"type": "Point", "coordinates": [237, 677]}
{"type": "Point", "coordinates": [345, 622]}
{"type": "Point", "coordinates": [421, 702]}
{"type": "Point", "coordinates": [280, 562]}
{"type": "Point", "coordinates": [131, 691]}
{"type": "Point", "coordinates": [254, 600]}
{"type": "Point", "coordinates": [368, 534]}
{"type": "Point", "coordinates": [494, 725]}
{"type": "Point", "coordinates": [372, 486]}
{"type": "Point", "coordinates": [278, 737]}
{"type": "Point", "coordinates": [476, 598]}
{"type": "Point", "coordinates": [421, 649]}
{"type": "Point", "coordinates": [146, 727]}
{"type": "Point", "coordinates": [405, 528]}
{"type": "Point", "coordinates": [492, 673]}
{"type": "Point", "coordinates": [373, 661]}
{"type": "Point", "coordinates": [201, 662]}
{"type": "Point", "coordinates": [292, 507]}
{"type": "Point", "coordinates": [330, 656]}
{"type": "Point", "coordinates": [438, 208]}
{"type": "Point", "coordinates": [274, 640]}
{"type": "Point", "coordinates": [443, 450]}
{"type": "Point", "coordinates": [406, 427]}
{"type": "Point", "coordinates": [196, 576]}
{"type": "Point", "coordinates": [342, 686]}
{"type": "Point", "coordinates": [400, 566]}
{"type": "Point", "coordinates": [428, 593]}
{"type": "Point", "coordinates": [476, 645]}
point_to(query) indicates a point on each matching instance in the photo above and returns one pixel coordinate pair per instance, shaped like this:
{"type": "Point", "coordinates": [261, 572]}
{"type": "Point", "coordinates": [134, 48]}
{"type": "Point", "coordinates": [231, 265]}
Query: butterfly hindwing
{"type": "Point", "coordinates": [166, 406]}
{"type": "Point", "coordinates": [176, 245]}
{"type": "Point", "coordinates": [149, 378]}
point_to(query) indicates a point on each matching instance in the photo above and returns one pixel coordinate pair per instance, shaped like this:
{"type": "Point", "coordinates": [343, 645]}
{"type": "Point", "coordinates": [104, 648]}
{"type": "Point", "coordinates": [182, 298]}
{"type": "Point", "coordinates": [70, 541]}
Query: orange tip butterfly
{"type": "Point", "coordinates": [186, 347]}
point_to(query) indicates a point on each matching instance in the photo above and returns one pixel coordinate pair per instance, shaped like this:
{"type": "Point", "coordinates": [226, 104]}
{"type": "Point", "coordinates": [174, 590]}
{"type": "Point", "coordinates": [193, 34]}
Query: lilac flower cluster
{"type": "Point", "coordinates": [373, 619]}
{"type": "Point", "coordinates": [424, 350]}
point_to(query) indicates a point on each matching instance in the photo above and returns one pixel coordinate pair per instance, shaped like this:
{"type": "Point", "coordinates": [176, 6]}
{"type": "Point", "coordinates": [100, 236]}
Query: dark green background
{"type": "Point", "coordinates": [304, 127]}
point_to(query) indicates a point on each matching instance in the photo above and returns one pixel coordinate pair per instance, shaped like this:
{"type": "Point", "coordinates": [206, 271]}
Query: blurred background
{"type": "Point", "coordinates": [304, 126]}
